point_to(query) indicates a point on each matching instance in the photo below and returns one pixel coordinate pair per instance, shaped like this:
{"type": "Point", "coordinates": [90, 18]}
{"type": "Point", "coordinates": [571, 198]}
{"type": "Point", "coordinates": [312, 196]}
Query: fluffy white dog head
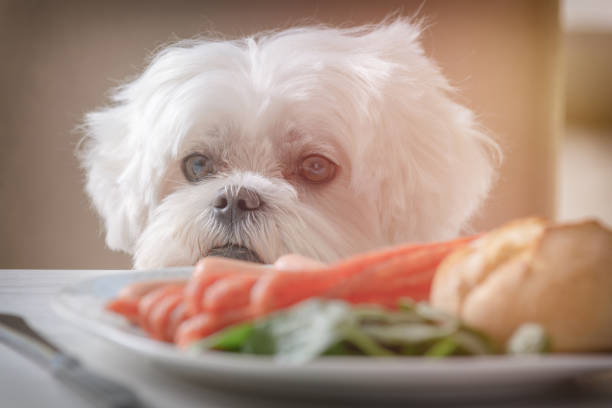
{"type": "Point", "coordinates": [315, 140]}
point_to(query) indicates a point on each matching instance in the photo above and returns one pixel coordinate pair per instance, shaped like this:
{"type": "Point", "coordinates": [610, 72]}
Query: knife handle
{"type": "Point", "coordinates": [98, 390]}
{"type": "Point", "coordinates": [18, 335]}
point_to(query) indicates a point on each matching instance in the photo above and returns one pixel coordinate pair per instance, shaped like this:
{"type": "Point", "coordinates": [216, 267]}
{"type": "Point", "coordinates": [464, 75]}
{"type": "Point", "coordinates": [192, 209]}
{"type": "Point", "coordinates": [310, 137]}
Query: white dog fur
{"type": "Point", "coordinates": [412, 164]}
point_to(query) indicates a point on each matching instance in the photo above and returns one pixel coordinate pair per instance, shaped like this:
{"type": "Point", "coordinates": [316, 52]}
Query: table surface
{"type": "Point", "coordinates": [22, 384]}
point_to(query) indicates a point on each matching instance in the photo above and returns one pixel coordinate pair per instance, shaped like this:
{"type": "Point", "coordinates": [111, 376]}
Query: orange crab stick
{"type": "Point", "coordinates": [126, 303]}
{"type": "Point", "coordinates": [212, 269]}
{"type": "Point", "coordinates": [408, 275]}
{"type": "Point", "coordinates": [204, 324]}
{"type": "Point", "coordinates": [281, 289]}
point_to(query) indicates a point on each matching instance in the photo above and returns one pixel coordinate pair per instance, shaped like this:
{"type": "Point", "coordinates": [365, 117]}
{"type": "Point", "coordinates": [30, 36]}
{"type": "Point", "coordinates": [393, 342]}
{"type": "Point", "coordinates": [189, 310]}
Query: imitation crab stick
{"type": "Point", "coordinates": [232, 292]}
{"type": "Point", "coordinates": [408, 275]}
{"type": "Point", "coordinates": [204, 324]}
{"type": "Point", "coordinates": [222, 291]}
{"type": "Point", "coordinates": [126, 303]}
{"type": "Point", "coordinates": [159, 318]}
{"type": "Point", "coordinates": [212, 269]}
{"type": "Point", "coordinates": [281, 289]}
{"type": "Point", "coordinates": [177, 317]}
{"type": "Point", "coordinates": [128, 308]}
{"type": "Point", "coordinates": [383, 283]}
{"type": "Point", "coordinates": [153, 299]}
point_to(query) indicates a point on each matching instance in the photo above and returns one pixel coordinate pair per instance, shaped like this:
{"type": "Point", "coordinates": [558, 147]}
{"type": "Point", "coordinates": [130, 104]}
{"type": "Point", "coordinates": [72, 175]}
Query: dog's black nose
{"type": "Point", "coordinates": [233, 202]}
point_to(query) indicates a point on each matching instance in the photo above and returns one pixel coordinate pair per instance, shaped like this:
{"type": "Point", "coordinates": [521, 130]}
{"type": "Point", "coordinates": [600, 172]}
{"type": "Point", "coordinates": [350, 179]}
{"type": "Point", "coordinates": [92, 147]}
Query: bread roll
{"type": "Point", "coordinates": [559, 276]}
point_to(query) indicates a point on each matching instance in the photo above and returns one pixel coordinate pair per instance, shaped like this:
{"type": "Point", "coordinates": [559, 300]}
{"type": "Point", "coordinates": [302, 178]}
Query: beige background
{"type": "Point", "coordinates": [60, 58]}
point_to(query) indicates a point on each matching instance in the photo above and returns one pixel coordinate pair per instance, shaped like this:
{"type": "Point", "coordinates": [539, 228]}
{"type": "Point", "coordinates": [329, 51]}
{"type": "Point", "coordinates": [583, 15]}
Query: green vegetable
{"type": "Point", "coordinates": [366, 344]}
{"type": "Point", "coordinates": [399, 334]}
{"type": "Point", "coordinates": [471, 342]}
{"type": "Point", "coordinates": [230, 339]}
{"type": "Point", "coordinates": [443, 348]}
{"type": "Point", "coordinates": [529, 338]}
{"type": "Point", "coordinates": [302, 332]}
{"type": "Point", "coordinates": [319, 327]}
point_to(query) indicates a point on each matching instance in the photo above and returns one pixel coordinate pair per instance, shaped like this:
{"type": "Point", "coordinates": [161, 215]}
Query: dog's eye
{"type": "Point", "coordinates": [317, 169]}
{"type": "Point", "coordinates": [196, 167]}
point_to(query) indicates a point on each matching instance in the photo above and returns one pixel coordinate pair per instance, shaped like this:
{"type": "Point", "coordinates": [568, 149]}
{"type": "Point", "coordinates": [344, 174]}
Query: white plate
{"type": "Point", "coordinates": [339, 377]}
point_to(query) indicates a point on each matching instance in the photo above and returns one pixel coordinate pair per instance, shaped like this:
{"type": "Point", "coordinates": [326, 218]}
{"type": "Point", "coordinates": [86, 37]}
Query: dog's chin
{"type": "Point", "coordinates": [235, 252]}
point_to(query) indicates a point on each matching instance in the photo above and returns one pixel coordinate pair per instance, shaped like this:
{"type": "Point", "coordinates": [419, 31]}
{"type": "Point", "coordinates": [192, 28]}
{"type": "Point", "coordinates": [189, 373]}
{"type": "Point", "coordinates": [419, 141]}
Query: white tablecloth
{"type": "Point", "coordinates": [22, 384]}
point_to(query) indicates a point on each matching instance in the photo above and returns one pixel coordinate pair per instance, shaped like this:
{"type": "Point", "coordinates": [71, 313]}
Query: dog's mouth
{"type": "Point", "coordinates": [235, 252]}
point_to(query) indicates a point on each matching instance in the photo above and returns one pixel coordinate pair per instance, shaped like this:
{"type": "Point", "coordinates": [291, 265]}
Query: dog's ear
{"type": "Point", "coordinates": [112, 161]}
{"type": "Point", "coordinates": [127, 146]}
{"type": "Point", "coordinates": [431, 162]}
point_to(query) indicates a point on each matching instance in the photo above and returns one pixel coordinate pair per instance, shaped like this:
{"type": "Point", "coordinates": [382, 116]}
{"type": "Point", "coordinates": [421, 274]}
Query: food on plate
{"type": "Point", "coordinates": [378, 277]}
{"type": "Point", "coordinates": [530, 286]}
{"type": "Point", "coordinates": [127, 301]}
{"type": "Point", "coordinates": [532, 271]}
{"type": "Point", "coordinates": [318, 327]}
{"type": "Point", "coordinates": [223, 292]}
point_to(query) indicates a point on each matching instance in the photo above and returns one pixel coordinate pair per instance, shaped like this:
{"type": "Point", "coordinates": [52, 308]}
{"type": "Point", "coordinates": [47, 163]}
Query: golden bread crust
{"type": "Point", "coordinates": [559, 276]}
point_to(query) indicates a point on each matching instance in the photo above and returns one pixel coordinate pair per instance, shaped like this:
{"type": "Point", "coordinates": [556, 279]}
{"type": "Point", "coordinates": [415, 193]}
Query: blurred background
{"type": "Point", "coordinates": [535, 72]}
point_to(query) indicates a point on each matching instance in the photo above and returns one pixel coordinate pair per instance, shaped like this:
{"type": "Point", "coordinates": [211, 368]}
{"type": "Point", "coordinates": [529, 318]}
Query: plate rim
{"type": "Point", "coordinates": [354, 366]}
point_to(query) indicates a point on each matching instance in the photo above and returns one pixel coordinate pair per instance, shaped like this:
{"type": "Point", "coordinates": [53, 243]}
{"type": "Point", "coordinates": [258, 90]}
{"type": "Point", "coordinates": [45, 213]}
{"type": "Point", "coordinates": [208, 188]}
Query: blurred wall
{"type": "Point", "coordinates": [588, 84]}
{"type": "Point", "coordinates": [587, 26]}
{"type": "Point", "coordinates": [60, 58]}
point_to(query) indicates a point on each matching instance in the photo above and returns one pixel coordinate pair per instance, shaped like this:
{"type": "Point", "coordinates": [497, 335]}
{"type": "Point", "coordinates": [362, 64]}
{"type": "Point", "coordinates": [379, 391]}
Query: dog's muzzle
{"type": "Point", "coordinates": [235, 252]}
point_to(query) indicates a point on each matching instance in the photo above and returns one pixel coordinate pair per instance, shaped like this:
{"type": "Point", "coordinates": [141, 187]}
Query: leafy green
{"type": "Point", "coordinates": [443, 348]}
{"type": "Point", "coordinates": [472, 343]}
{"type": "Point", "coordinates": [399, 334]}
{"type": "Point", "coordinates": [529, 338]}
{"type": "Point", "coordinates": [302, 332]}
{"type": "Point", "coordinates": [340, 349]}
{"type": "Point", "coordinates": [230, 339]}
{"type": "Point", "coordinates": [366, 344]}
{"type": "Point", "coordinates": [319, 327]}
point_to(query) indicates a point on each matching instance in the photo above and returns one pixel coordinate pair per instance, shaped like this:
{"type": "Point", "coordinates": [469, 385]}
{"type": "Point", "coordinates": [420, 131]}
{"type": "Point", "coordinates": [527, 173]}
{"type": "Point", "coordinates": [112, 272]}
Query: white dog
{"type": "Point", "coordinates": [319, 141]}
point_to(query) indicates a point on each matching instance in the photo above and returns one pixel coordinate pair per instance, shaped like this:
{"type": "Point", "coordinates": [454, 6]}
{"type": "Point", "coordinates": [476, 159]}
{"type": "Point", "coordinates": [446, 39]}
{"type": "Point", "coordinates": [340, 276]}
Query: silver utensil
{"type": "Point", "coordinates": [96, 389]}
